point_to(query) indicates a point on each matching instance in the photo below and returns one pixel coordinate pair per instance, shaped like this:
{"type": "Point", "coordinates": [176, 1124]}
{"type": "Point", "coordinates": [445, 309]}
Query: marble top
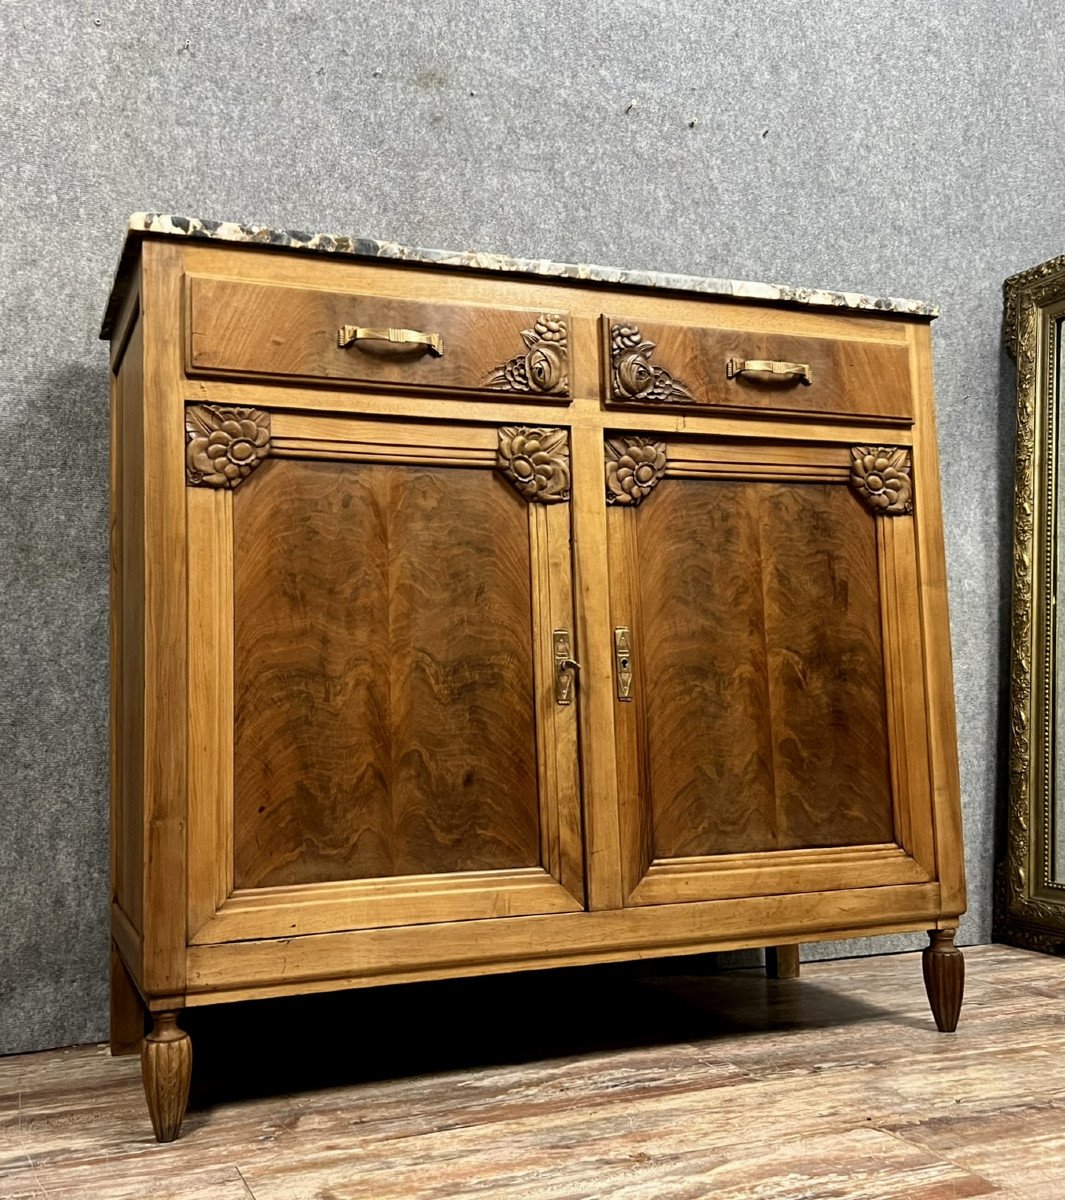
{"type": "Point", "coordinates": [144, 223]}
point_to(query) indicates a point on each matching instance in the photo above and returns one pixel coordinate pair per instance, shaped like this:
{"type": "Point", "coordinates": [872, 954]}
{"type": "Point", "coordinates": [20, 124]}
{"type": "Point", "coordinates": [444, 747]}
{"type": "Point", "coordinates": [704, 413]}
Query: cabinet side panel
{"type": "Point", "coordinates": [165, 629]}
{"type": "Point", "coordinates": [935, 628]}
{"type": "Point", "coordinates": [384, 717]}
{"type": "Point", "coordinates": [127, 632]}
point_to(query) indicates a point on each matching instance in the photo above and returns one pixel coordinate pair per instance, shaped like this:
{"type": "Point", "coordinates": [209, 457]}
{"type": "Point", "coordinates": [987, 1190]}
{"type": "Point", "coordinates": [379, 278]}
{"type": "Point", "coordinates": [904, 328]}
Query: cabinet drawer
{"type": "Point", "coordinates": [651, 364]}
{"type": "Point", "coordinates": [260, 329]}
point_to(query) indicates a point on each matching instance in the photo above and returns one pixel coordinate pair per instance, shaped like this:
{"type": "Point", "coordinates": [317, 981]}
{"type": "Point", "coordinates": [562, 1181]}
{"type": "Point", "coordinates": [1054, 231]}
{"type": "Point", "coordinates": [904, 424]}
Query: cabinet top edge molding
{"type": "Point", "coordinates": [146, 224]}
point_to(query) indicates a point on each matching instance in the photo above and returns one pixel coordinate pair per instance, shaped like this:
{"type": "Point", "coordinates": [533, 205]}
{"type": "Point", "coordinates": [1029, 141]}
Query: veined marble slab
{"type": "Point", "coordinates": [144, 223]}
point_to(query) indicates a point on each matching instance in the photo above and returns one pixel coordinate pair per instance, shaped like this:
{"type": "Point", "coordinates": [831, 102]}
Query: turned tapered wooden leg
{"type": "Point", "coordinates": [127, 1009]}
{"type": "Point", "coordinates": [944, 978]}
{"type": "Point", "coordinates": [782, 962]}
{"type": "Point", "coordinates": [166, 1068]}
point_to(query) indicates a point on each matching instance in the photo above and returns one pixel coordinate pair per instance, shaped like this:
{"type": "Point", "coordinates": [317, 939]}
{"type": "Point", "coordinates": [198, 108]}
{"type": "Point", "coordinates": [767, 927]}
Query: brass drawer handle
{"type": "Point", "coordinates": [768, 366]}
{"type": "Point", "coordinates": [348, 335]}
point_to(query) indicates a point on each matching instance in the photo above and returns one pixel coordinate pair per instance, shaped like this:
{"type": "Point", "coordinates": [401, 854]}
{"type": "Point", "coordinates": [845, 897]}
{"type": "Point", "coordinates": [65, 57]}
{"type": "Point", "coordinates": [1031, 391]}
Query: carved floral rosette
{"type": "Point", "coordinates": [535, 462]}
{"type": "Point", "coordinates": [634, 378]}
{"type": "Point", "coordinates": [634, 465]}
{"type": "Point", "coordinates": [543, 368]}
{"type": "Point", "coordinates": [224, 444]}
{"type": "Point", "coordinates": [881, 477]}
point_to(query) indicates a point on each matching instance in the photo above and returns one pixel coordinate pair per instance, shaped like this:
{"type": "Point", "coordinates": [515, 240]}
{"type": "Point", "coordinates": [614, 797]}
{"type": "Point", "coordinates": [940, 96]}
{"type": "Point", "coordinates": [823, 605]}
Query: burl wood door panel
{"type": "Point", "coordinates": [778, 652]}
{"type": "Point", "coordinates": [655, 364]}
{"type": "Point", "coordinates": [266, 330]}
{"type": "Point", "coordinates": [758, 740]}
{"type": "Point", "coordinates": [398, 756]}
{"type": "Point", "coordinates": [384, 719]}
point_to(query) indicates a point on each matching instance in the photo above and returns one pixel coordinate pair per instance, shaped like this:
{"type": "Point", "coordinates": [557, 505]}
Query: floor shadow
{"type": "Point", "coordinates": [271, 1047]}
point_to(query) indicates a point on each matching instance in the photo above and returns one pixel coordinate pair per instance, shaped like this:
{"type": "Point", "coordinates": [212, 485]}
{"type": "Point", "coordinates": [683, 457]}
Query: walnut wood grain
{"type": "Point", "coordinates": [765, 724]}
{"type": "Point", "coordinates": [384, 721]}
{"type": "Point", "coordinates": [256, 329]}
{"type": "Point", "coordinates": [826, 667]}
{"type": "Point", "coordinates": [702, 645]}
{"type": "Point", "coordinates": [851, 377]}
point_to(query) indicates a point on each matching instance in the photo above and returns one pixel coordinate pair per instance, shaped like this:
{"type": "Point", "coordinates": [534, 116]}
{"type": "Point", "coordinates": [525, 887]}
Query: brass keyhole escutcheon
{"type": "Point", "coordinates": [566, 668]}
{"type": "Point", "coordinates": [623, 662]}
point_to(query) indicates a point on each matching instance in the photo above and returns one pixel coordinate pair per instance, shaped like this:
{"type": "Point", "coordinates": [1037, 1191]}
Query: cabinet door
{"type": "Point", "coordinates": [769, 708]}
{"type": "Point", "coordinates": [376, 732]}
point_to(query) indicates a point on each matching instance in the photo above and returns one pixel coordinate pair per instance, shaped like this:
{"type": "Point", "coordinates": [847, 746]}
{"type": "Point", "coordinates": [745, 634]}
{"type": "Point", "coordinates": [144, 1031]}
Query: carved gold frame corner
{"type": "Point", "coordinates": [1029, 904]}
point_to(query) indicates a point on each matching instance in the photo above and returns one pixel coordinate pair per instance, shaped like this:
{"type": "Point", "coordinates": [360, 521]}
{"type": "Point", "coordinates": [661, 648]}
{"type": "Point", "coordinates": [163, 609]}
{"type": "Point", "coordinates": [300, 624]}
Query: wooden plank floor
{"type": "Point", "coordinates": [646, 1080]}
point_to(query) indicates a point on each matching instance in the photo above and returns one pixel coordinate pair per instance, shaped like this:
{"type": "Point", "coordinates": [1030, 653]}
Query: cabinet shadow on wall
{"type": "Point", "coordinates": [344, 1039]}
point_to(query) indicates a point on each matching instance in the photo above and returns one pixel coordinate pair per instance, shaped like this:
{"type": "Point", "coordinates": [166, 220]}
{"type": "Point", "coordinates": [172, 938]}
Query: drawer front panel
{"type": "Point", "coordinates": [650, 364]}
{"type": "Point", "coordinates": [258, 329]}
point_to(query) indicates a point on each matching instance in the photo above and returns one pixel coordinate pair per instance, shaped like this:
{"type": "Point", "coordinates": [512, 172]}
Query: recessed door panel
{"type": "Point", "coordinates": [377, 606]}
{"type": "Point", "coordinates": [384, 719]}
{"type": "Point", "coordinates": [765, 719]}
{"type": "Point", "coordinates": [760, 598]}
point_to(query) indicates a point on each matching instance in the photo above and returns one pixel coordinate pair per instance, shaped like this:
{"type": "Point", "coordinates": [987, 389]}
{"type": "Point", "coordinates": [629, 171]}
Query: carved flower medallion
{"type": "Point", "coordinates": [881, 476]}
{"type": "Point", "coordinates": [633, 376]}
{"type": "Point", "coordinates": [543, 368]}
{"type": "Point", "coordinates": [634, 466]}
{"type": "Point", "coordinates": [535, 461]}
{"type": "Point", "coordinates": [224, 444]}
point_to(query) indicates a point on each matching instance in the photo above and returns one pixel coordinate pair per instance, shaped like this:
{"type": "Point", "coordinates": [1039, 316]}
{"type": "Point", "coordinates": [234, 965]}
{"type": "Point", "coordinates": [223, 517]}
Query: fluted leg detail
{"type": "Point", "coordinates": [166, 1068]}
{"type": "Point", "coordinates": [944, 978]}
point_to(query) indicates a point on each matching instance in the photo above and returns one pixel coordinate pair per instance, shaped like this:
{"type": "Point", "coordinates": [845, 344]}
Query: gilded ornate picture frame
{"type": "Point", "coordinates": [1030, 892]}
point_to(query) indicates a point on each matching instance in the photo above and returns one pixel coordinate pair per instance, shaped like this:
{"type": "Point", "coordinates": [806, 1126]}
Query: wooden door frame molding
{"type": "Point", "coordinates": [219, 913]}
{"type": "Point", "coordinates": [911, 857]}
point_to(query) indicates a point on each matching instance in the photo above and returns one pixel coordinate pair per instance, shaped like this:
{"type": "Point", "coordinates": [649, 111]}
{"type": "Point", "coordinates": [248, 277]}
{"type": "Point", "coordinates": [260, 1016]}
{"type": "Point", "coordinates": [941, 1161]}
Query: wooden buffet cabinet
{"type": "Point", "coordinates": [475, 615]}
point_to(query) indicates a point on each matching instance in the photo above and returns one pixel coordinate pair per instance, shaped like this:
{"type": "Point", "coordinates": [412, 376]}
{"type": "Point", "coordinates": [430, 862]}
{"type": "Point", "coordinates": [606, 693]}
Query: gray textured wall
{"type": "Point", "coordinates": [911, 147]}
